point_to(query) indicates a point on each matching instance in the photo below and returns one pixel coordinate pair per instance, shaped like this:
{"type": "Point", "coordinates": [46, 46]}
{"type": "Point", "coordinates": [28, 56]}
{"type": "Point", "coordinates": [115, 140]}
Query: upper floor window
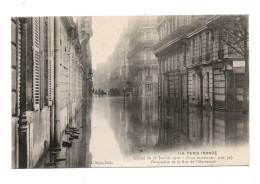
{"type": "Point", "coordinates": [193, 47]}
{"type": "Point", "coordinates": [181, 20]}
{"type": "Point", "coordinates": [87, 25]}
{"type": "Point", "coordinates": [176, 21]}
{"type": "Point", "coordinates": [207, 42]}
{"type": "Point", "coordinates": [187, 20]}
{"type": "Point", "coordinates": [169, 62]}
{"type": "Point", "coordinates": [148, 35]}
{"type": "Point", "coordinates": [169, 28]}
{"type": "Point", "coordinates": [200, 46]}
{"type": "Point", "coordinates": [173, 23]}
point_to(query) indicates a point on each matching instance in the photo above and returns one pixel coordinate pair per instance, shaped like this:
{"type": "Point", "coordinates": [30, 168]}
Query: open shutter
{"type": "Point", "coordinates": [36, 64]}
{"type": "Point", "coordinates": [50, 60]}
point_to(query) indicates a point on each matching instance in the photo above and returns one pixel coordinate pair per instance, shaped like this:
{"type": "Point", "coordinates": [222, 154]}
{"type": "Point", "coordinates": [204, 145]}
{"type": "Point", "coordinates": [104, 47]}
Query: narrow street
{"type": "Point", "coordinates": [126, 91]}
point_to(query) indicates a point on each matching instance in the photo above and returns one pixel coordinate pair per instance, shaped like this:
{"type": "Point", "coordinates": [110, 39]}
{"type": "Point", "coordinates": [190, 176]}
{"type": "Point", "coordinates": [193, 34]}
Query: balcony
{"type": "Point", "coordinates": [147, 62]}
{"type": "Point", "coordinates": [147, 43]}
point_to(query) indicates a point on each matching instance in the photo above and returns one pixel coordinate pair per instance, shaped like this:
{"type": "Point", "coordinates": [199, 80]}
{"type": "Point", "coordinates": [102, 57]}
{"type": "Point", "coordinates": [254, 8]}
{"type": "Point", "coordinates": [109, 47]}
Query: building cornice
{"type": "Point", "coordinates": [189, 35]}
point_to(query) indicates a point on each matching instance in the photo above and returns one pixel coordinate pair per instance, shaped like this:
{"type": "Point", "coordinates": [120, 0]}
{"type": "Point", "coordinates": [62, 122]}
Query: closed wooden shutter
{"type": "Point", "coordinates": [19, 46]}
{"type": "Point", "coordinates": [50, 60]}
{"type": "Point", "coordinates": [36, 64]}
{"type": "Point", "coordinates": [42, 60]}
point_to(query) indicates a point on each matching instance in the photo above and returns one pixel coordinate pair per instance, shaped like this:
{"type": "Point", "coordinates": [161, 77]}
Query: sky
{"type": "Point", "coordinates": [106, 33]}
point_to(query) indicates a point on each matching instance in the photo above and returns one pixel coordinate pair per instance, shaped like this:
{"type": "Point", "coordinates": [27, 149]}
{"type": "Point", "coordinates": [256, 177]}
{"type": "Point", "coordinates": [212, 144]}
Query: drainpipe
{"type": "Point", "coordinates": [57, 125]}
{"type": "Point", "coordinates": [22, 129]}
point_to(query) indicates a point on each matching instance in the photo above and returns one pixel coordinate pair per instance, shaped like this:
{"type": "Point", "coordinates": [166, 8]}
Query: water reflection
{"type": "Point", "coordinates": [135, 124]}
{"type": "Point", "coordinates": [79, 155]}
{"type": "Point", "coordinates": [146, 125]}
{"type": "Point", "coordinates": [114, 131]}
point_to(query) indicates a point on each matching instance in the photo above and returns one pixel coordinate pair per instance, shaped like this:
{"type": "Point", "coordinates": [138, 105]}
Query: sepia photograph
{"type": "Point", "coordinates": [130, 91]}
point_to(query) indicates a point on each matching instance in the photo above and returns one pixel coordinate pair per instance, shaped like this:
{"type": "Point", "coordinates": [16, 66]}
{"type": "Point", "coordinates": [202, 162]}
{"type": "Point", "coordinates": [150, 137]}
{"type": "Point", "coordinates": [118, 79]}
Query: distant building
{"type": "Point", "coordinates": [102, 77]}
{"type": "Point", "coordinates": [143, 65]}
{"type": "Point", "coordinates": [198, 65]}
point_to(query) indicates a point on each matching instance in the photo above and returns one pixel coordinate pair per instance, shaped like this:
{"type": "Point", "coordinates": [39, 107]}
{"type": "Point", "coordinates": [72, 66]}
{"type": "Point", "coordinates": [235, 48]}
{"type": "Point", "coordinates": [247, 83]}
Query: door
{"type": "Point", "coordinates": [234, 91]}
{"type": "Point", "coordinates": [183, 91]}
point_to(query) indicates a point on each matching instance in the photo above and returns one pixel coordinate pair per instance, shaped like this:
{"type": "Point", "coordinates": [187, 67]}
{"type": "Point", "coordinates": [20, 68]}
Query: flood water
{"type": "Point", "coordinates": [123, 130]}
{"type": "Point", "coordinates": [121, 133]}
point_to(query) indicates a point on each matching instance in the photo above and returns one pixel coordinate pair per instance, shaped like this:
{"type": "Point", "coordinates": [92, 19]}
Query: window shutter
{"type": "Point", "coordinates": [50, 60]}
{"type": "Point", "coordinates": [36, 64]}
{"type": "Point", "coordinates": [18, 64]}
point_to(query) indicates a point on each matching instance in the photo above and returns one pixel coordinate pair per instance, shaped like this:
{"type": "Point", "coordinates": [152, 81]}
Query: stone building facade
{"type": "Point", "coordinates": [51, 80]}
{"type": "Point", "coordinates": [197, 65]}
{"type": "Point", "coordinates": [143, 65]}
{"type": "Point", "coordinates": [133, 65]}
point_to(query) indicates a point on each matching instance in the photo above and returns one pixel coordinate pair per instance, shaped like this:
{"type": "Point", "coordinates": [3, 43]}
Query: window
{"type": "Point", "coordinates": [175, 61]}
{"type": "Point", "coordinates": [149, 89]}
{"type": "Point", "coordinates": [169, 28]}
{"type": "Point", "coordinates": [148, 72]}
{"type": "Point", "coordinates": [188, 20]}
{"type": "Point", "coordinates": [36, 63]}
{"type": "Point", "coordinates": [207, 42]}
{"type": "Point", "coordinates": [220, 40]}
{"type": "Point", "coordinates": [207, 84]}
{"type": "Point", "coordinates": [148, 35]}
{"type": "Point", "coordinates": [173, 23]}
{"type": "Point", "coordinates": [160, 33]}
{"type": "Point", "coordinates": [193, 48]}
{"type": "Point", "coordinates": [171, 62]}
{"type": "Point", "coordinates": [181, 20]}
{"type": "Point", "coordinates": [178, 60]}
{"type": "Point", "coordinates": [176, 22]}
{"type": "Point", "coordinates": [87, 25]}
{"type": "Point", "coordinates": [165, 66]}
{"type": "Point", "coordinates": [194, 85]}
{"type": "Point", "coordinates": [200, 46]}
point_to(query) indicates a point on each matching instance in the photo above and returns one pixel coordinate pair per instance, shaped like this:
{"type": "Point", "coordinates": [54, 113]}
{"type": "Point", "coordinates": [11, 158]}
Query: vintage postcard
{"type": "Point", "coordinates": [130, 91]}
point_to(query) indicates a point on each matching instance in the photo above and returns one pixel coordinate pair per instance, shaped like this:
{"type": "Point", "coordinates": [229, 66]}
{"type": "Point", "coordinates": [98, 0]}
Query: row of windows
{"type": "Point", "coordinates": [172, 62]}
{"type": "Point", "coordinates": [149, 35]}
{"type": "Point", "coordinates": [147, 55]}
{"type": "Point", "coordinates": [203, 47]}
{"type": "Point", "coordinates": [170, 25]}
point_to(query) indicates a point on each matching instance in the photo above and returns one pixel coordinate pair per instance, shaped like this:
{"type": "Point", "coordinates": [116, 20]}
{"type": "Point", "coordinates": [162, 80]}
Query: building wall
{"type": "Point", "coordinates": [186, 43]}
{"type": "Point", "coordinates": [40, 111]}
{"type": "Point", "coordinates": [15, 64]}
